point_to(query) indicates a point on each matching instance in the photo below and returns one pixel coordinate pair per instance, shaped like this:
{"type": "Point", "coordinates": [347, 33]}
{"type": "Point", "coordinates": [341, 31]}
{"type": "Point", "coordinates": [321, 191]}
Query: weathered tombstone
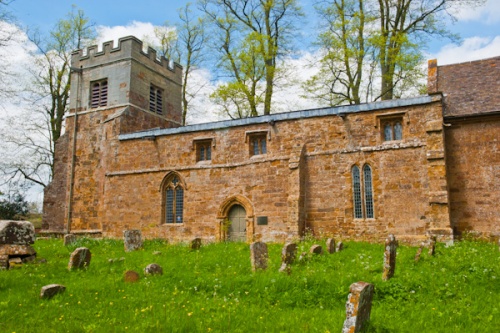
{"type": "Point", "coordinates": [196, 244]}
{"type": "Point", "coordinates": [419, 251]}
{"type": "Point", "coordinates": [340, 246]}
{"type": "Point", "coordinates": [316, 249]}
{"type": "Point", "coordinates": [358, 306]}
{"type": "Point", "coordinates": [330, 245]}
{"type": "Point", "coordinates": [132, 240]}
{"type": "Point", "coordinates": [131, 276]}
{"type": "Point", "coordinates": [51, 290]}
{"type": "Point", "coordinates": [432, 246]}
{"type": "Point", "coordinates": [15, 262]}
{"type": "Point", "coordinates": [69, 239]}
{"type": "Point", "coordinates": [156, 253]}
{"type": "Point", "coordinates": [80, 258]}
{"type": "Point", "coordinates": [303, 256]}
{"type": "Point", "coordinates": [153, 269]}
{"type": "Point", "coordinates": [288, 254]}
{"type": "Point", "coordinates": [389, 257]}
{"type": "Point", "coordinates": [258, 255]}
{"type": "Point", "coordinates": [17, 232]}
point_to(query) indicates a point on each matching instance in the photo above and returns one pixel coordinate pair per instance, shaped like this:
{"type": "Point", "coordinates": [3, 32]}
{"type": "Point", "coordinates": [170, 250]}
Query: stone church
{"type": "Point", "coordinates": [415, 167]}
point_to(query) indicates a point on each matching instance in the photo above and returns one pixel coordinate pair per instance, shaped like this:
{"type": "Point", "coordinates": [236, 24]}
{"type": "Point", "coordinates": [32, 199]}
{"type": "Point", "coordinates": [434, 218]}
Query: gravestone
{"type": "Point", "coordinates": [17, 232]}
{"type": "Point", "coordinates": [69, 239]}
{"type": "Point", "coordinates": [432, 246]}
{"type": "Point", "coordinates": [153, 269]}
{"type": "Point", "coordinates": [49, 291]}
{"type": "Point", "coordinates": [288, 254]}
{"type": "Point", "coordinates": [330, 245]}
{"type": "Point", "coordinates": [80, 258]}
{"type": "Point", "coordinates": [340, 246]}
{"type": "Point", "coordinates": [196, 244]}
{"type": "Point", "coordinates": [316, 249]}
{"type": "Point", "coordinates": [358, 306]}
{"type": "Point", "coordinates": [132, 240]}
{"type": "Point", "coordinates": [131, 276]}
{"type": "Point", "coordinates": [258, 255]}
{"type": "Point", "coordinates": [389, 257]}
{"type": "Point", "coordinates": [419, 251]}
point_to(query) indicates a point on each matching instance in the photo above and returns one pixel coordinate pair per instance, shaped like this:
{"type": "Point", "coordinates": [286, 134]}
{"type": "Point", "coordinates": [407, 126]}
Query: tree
{"type": "Point", "coordinates": [13, 207]}
{"type": "Point", "coordinates": [184, 44]}
{"type": "Point", "coordinates": [251, 35]}
{"type": "Point", "coordinates": [369, 41]}
{"type": "Point", "coordinates": [33, 146]}
{"type": "Point", "coordinates": [345, 54]}
{"type": "Point", "coordinates": [8, 32]}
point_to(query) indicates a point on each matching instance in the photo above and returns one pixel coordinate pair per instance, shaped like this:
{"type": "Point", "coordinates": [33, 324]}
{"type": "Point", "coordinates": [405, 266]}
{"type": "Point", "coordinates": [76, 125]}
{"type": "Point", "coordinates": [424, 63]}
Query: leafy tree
{"type": "Point", "coordinates": [389, 33]}
{"type": "Point", "coordinates": [33, 146]}
{"type": "Point", "coordinates": [13, 208]}
{"type": "Point", "coordinates": [184, 43]}
{"type": "Point", "coordinates": [251, 36]}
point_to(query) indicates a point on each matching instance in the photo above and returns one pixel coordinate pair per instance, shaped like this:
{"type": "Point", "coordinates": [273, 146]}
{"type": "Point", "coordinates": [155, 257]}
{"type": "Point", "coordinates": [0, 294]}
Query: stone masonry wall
{"type": "Point", "coordinates": [303, 183]}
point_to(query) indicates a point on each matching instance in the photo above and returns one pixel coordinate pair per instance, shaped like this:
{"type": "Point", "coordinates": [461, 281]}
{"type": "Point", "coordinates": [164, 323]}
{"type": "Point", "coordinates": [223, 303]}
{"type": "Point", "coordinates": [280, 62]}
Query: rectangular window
{"type": "Point", "coordinates": [203, 150]}
{"type": "Point", "coordinates": [258, 144]}
{"type": "Point", "coordinates": [156, 99]}
{"type": "Point", "coordinates": [98, 93]}
{"type": "Point", "coordinates": [392, 129]}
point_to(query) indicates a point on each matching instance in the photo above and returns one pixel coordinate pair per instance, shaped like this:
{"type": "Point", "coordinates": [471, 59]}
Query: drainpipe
{"type": "Point", "coordinates": [73, 150]}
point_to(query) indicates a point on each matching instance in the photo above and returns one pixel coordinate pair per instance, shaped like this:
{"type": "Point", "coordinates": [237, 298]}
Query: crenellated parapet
{"type": "Point", "coordinates": [128, 48]}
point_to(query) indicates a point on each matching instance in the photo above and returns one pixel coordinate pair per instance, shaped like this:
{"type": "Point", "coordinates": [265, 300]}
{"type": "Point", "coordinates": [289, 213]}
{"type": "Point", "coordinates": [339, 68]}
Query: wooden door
{"type": "Point", "coordinates": [238, 226]}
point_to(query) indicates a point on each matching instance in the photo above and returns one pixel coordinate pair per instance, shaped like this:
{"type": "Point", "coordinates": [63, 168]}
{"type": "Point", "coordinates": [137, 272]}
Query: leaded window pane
{"type": "Point", "coordinates": [356, 186]}
{"type": "Point", "coordinates": [202, 153]}
{"type": "Point", "coordinates": [208, 152]}
{"type": "Point", "coordinates": [170, 205]}
{"type": "Point", "coordinates": [179, 204]}
{"type": "Point", "coordinates": [398, 131]}
{"type": "Point", "coordinates": [367, 176]}
{"type": "Point", "coordinates": [263, 147]}
{"type": "Point", "coordinates": [255, 143]}
{"type": "Point", "coordinates": [387, 132]}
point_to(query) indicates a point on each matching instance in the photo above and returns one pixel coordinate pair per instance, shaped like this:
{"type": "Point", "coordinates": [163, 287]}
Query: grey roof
{"type": "Point", "coordinates": [339, 110]}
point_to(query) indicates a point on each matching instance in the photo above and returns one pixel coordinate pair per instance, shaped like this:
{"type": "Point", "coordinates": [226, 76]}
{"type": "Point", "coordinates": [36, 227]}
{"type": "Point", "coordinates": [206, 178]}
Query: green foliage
{"type": "Point", "coordinates": [14, 208]}
{"type": "Point", "coordinates": [214, 290]}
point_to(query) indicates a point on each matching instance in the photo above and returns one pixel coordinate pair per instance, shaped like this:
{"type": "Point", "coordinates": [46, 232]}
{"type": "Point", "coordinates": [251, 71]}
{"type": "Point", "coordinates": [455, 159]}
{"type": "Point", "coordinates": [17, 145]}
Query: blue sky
{"type": "Point", "coordinates": [479, 28]}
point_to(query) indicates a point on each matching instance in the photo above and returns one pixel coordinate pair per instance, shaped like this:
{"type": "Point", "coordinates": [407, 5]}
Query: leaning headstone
{"type": "Point", "coordinates": [69, 239]}
{"type": "Point", "coordinates": [17, 232]}
{"type": "Point", "coordinates": [389, 257]}
{"type": "Point", "coordinates": [51, 290]}
{"type": "Point", "coordinates": [358, 306]}
{"type": "Point", "coordinates": [288, 254]}
{"type": "Point", "coordinates": [196, 244]}
{"type": "Point", "coordinates": [132, 240]}
{"type": "Point", "coordinates": [80, 258]}
{"type": "Point", "coordinates": [131, 276]}
{"type": "Point", "coordinates": [153, 269]}
{"type": "Point", "coordinates": [419, 251]}
{"type": "Point", "coordinates": [330, 245]}
{"type": "Point", "coordinates": [258, 255]}
{"type": "Point", "coordinates": [316, 249]}
{"type": "Point", "coordinates": [340, 246]}
{"type": "Point", "coordinates": [432, 246]}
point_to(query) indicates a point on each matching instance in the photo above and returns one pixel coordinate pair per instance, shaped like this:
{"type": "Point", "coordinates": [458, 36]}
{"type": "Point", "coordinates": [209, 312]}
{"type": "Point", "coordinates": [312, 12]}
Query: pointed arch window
{"type": "Point", "coordinates": [362, 187]}
{"type": "Point", "coordinates": [173, 192]}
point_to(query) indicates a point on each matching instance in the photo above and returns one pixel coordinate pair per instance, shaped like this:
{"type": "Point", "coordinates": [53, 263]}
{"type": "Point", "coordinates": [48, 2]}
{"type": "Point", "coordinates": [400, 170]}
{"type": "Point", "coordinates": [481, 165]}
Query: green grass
{"type": "Point", "coordinates": [214, 290]}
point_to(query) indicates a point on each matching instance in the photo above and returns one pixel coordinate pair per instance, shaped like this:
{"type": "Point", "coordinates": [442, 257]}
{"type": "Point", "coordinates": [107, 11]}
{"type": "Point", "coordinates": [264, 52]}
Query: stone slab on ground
{"type": "Point", "coordinates": [80, 258]}
{"type": "Point", "coordinates": [51, 290]}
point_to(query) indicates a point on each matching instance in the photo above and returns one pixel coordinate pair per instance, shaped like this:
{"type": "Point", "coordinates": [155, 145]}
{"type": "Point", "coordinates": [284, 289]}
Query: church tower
{"type": "Point", "coordinates": [113, 91]}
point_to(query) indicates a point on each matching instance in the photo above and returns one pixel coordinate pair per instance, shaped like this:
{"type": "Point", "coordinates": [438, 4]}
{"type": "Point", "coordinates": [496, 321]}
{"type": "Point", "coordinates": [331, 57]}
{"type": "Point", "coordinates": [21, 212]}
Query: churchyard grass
{"type": "Point", "coordinates": [214, 290]}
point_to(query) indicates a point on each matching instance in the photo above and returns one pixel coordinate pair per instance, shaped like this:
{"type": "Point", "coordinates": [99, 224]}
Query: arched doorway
{"type": "Point", "coordinates": [237, 231]}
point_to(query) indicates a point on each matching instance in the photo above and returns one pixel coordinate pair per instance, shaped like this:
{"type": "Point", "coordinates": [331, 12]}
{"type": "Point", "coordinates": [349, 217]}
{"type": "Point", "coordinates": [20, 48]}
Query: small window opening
{"type": "Point", "coordinates": [99, 94]}
{"type": "Point", "coordinates": [258, 144]}
{"type": "Point", "coordinates": [204, 150]}
{"type": "Point", "coordinates": [155, 99]}
{"type": "Point", "coordinates": [392, 130]}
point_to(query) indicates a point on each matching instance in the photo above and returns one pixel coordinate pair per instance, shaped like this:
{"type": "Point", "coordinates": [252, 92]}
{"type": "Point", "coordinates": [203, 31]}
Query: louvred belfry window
{"type": "Point", "coordinates": [156, 100]}
{"type": "Point", "coordinates": [99, 94]}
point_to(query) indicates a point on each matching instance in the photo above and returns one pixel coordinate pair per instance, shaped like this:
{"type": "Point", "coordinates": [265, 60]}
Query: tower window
{"type": "Point", "coordinates": [99, 93]}
{"type": "Point", "coordinates": [155, 99]}
{"type": "Point", "coordinates": [362, 189]}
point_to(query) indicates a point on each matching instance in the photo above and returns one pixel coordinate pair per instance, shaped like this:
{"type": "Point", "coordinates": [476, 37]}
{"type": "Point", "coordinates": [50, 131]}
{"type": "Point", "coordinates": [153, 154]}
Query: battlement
{"type": "Point", "coordinates": [128, 47]}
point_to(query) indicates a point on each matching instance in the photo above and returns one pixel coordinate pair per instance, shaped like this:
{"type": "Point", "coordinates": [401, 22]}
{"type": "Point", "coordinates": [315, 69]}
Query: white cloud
{"type": "Point", "coordinates": [489, 13]}
{"type": "Point", "coordinates": [473, 48]}
{"type": "Point", "coordinates": [141, 30]}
